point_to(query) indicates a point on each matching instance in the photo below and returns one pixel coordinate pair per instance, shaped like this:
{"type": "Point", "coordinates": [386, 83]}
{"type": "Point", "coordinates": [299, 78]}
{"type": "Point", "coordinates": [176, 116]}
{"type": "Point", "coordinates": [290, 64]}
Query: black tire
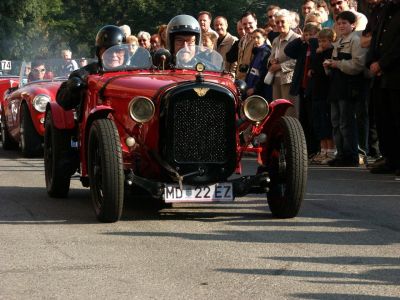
{"type": "Point", "coordinates": [6, 140]}
{"type": "Point", "coordinates": [105, 170]}
{"type": "Point", "coordinates": [30, 140]}
{"type": "Point", "coordinates": [60, 161]}
{"type": "Point", "coordinates": [287, 167]}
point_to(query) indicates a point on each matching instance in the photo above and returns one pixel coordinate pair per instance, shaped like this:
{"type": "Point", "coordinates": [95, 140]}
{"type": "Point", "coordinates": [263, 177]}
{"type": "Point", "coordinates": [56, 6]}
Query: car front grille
{"type": "Point", "coordinates": [198, 132]}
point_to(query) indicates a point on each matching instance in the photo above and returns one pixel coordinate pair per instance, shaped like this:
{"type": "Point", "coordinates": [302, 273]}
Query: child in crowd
{"type": "Point", "coordinates": [346, 69]}
{"type": "Point", "coordinates": [258, 66]}
{"type": "Point", "coordinates": [321, 110]}
{"type": "Point", "coordinates": [209, 40]}
{"type": "Point", "coordinates": [302, 49]}
{"type": "Point", "coordinates": [208, 53]}
{"type": "Point", "coordinates": [133, 43]}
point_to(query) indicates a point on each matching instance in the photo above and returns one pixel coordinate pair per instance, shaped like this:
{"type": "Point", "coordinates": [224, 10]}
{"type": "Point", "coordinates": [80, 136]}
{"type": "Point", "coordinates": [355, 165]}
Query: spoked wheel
{"type": "Point", "coordinates": [105, 170]}
{"type": "Point", "coordinates": [60, 162]}
{"type": "Point", "coordinates": [6, 140]}
{"type": "Point", "coordinates": [31, 141]}
{"type": "Point", "coordinates": [287, 168]}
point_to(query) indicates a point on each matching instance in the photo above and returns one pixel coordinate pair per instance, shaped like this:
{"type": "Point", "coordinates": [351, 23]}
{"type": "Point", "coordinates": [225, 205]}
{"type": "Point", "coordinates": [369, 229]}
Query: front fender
{"type": "Point", "coordinates": [62, 119]}
{"type": "Point", "coordinates": [99, 112]}
{"type": "Point", "coordinates": [278, 109]}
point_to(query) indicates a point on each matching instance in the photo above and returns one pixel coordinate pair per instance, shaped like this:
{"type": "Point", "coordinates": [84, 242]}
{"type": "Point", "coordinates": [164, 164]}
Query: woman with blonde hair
{"type": "Point", "coordinates": [279, 64]}
{"type": "Point", "coordinates": [133, 43]}
{"type": "Point", "coordinates": [162, 32]}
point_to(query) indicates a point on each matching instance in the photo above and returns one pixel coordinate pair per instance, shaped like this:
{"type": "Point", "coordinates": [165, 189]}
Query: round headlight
{"type": "Point", "coordinates": [255, 108]}
{"type": "Point", "coordinates": [141, 109]}
{"type": "Point", "coordinates": [40, 102]}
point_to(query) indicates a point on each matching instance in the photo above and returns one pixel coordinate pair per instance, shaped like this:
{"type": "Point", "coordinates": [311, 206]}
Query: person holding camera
{"type": "Point", "coordinates": [246, 45]}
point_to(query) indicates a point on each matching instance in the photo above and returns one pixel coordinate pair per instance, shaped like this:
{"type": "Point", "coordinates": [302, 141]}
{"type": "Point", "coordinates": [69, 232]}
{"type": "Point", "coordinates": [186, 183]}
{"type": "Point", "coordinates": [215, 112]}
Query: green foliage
{"type": "Point", "coordinates": [24, 27]}
{"type": "Point", "coordinates": [31, 28]}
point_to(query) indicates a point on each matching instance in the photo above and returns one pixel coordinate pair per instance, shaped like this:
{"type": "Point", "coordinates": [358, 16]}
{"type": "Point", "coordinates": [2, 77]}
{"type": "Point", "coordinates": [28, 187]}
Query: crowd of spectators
{"type": "Point", "coordinates": [338, 67]}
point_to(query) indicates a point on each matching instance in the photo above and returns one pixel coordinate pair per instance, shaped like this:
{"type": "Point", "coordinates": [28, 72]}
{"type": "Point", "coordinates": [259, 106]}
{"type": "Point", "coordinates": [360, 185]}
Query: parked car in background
{"type": "Point", "coordinates": [23, 106]}
{"type": "Point", "coordinates": [9, 78]}
{"type": "Point", "coordinates": [171, 135]}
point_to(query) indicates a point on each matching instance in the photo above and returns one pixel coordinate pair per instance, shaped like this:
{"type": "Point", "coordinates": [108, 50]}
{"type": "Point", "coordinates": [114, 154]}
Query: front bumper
{"type": "Point", "coordinates": [255, 184]}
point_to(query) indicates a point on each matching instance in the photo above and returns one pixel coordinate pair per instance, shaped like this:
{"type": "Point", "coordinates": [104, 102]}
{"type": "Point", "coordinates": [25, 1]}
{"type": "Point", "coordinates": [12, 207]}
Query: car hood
{"type": "Point", "coordinates": [45, 84]}
{"type": "Point", "coordinates": [150, 84]}
{"type": "Point", "coordinates": [32, 89]}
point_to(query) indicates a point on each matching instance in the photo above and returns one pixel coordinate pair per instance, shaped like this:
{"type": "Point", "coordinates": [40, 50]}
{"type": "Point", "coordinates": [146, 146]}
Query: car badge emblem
{"type": "Point", "coordinates": [201, 91]}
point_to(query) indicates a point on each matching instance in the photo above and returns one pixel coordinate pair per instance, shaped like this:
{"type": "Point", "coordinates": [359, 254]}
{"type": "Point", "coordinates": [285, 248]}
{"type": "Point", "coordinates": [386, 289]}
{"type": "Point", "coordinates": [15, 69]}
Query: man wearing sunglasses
{"type": "Point", "coordinates": [339, 6]}
{"type": "Point", "coordinates": [270, 27]}
{"type": "Point", "coordinates": [38, 71]}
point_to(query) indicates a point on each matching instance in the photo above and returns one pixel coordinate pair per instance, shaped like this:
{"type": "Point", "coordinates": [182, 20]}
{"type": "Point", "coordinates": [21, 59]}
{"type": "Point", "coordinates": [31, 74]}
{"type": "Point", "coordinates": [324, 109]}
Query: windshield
{"type": "Point", "coordinates": [45, 69]}
{"type": "Point", "coordinates": [188, 57]}
{"type": "Point", "coordinates": [124, 57]}
{"type": "Point", "coordinates": [9, 67]}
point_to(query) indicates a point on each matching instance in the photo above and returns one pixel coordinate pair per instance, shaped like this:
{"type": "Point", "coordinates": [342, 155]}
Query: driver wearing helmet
{"type": "Point", "coordinates": [183, 31]}
{"type": "Point", "coordinates": [71, 92]}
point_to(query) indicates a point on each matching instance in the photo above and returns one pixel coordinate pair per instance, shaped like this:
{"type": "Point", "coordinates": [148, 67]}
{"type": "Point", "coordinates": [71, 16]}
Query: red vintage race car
{"type": "Point", "coordinates": [9, 78]}
{"type": "Point", "coordinates": [23, 107]}
{"type": "Point", "coordinates": [174, 135]}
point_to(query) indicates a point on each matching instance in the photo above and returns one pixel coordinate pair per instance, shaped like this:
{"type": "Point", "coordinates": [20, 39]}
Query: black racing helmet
{"type": "Point", "coordinates": [107, 37]}
{"type": "Point", "coordinates": [184, 25]}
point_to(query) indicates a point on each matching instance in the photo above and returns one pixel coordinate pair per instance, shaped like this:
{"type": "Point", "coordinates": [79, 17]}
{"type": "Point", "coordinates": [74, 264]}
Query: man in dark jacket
{"type": "Point", "coordinates": [374, 9]}
{"type": "Point", "coordinates": [383, 61]}
{"type": "Point", "coordinates": [302, 49]}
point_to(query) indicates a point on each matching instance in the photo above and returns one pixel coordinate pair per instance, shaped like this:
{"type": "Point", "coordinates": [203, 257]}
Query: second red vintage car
{"type": "Point", "coordinates": [23, 107]}
{"type": "Point", "coordinates": [9, 78]}
{"type": "Point", "coordinates": [173, 135]}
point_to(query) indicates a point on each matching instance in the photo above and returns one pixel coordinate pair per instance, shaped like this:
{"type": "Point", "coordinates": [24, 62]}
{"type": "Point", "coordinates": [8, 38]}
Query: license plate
{"type": "Point", "coordinates": [219, 192]}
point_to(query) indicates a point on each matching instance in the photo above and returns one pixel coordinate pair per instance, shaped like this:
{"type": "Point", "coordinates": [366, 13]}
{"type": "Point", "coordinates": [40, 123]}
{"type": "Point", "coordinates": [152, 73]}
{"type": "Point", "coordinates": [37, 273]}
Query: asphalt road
{"type": "Point", "coordinates": [343, 245]}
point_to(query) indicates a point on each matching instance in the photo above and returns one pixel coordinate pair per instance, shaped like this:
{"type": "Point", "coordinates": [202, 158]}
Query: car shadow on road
{"type": "Point", "coordinates": [326, 218]}
{"type": "Point", "coordinates": [32, 205]}
{"type": "Point", "coordinates": [245, 221]}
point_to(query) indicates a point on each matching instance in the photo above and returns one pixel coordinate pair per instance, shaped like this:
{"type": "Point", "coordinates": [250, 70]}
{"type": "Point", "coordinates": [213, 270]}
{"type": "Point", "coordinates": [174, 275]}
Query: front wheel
{"type": "Point", "coordinates": [6, 140]}
{"type": "Point", "coordinates": [105, 170]}
{"type": "Point", "coordinates": [287, 167]}
{"type": "Point", "coordinates": [60, 161]}
{"type": "Point", "coordinates": [31, 141]}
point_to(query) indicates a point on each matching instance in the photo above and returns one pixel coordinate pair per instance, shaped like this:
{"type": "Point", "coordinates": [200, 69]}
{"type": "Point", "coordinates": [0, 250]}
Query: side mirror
{"type": "Point", "coordinates": [162, 58]}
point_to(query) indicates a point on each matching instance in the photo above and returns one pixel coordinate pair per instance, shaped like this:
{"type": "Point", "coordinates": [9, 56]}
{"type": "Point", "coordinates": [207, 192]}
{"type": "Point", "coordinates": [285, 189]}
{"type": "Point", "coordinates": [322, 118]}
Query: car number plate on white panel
{"type": "Point", "coordinates": [219, 192]}
{"type": "Point", "coordinates": [5, 65]}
